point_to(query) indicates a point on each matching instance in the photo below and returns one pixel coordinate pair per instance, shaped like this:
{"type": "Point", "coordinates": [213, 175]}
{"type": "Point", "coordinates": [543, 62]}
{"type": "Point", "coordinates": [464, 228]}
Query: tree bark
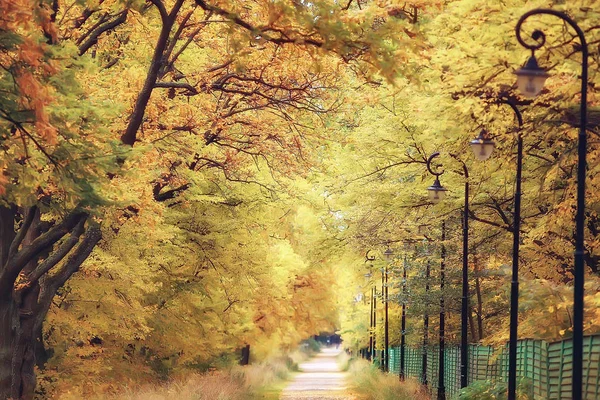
{"type": "Point", "coordinates": [9, 322]}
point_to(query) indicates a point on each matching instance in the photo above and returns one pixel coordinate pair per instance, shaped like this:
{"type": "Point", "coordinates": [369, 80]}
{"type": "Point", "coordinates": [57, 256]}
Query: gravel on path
{"type": "Point", "coordinates": [319, 379]}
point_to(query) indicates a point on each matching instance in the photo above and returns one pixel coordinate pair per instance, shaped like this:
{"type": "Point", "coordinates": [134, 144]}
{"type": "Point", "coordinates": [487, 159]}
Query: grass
{"type": "Point", "coordinates": [344, 361]}
{"type": "Point", "coordinates": [260, 381]}
{"type": "Point", "coordinates": [263, 381]}
{"type": "Point", "coordinates": [369, 383]}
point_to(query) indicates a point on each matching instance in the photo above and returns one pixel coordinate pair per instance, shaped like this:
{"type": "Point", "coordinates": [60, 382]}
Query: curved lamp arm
{"type": "Point", "coordinates": [368, 257]}
{"type": "Point", "coordinates": [431, 171]}
{"type": "Point", "coordinates": [540, 37]}
{"type": "Point", "coordinates": [515, 110]}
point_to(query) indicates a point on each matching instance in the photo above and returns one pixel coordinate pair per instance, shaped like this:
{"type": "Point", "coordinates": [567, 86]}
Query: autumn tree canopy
{"type": "Point", "coordinates": [185, 178]}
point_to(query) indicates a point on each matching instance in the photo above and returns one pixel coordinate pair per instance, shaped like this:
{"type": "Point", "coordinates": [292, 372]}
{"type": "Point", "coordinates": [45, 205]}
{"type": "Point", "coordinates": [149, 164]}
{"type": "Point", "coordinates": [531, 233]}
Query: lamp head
{"type": "Point", "coordinates": [482, 146]}
{"type": "Point", "coordinates": [436, 191]}
{"type": "Point", "coordinates": [531, 78]}
{"type": "Point", "coordinates": [388, 254]}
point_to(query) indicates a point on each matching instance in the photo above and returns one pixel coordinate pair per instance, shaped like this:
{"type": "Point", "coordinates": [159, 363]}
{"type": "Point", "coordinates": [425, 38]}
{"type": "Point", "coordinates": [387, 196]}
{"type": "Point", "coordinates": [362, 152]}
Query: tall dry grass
{"type": "Point", "coordinates": [237, 383]}
{"type": "Point", "coordinates": [214, 386]}
{"type": "Point", "coordinates": [371, 384]}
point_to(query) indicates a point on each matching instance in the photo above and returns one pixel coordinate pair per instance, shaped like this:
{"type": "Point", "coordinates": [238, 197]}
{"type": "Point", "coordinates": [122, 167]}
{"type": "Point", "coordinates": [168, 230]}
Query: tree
{"type": "Point", "coordinates": [52, 213]}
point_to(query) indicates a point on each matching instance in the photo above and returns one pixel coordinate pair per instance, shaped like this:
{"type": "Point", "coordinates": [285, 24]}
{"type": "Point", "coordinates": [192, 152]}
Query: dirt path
{"type": "Point", "coordinates": [319, 378]}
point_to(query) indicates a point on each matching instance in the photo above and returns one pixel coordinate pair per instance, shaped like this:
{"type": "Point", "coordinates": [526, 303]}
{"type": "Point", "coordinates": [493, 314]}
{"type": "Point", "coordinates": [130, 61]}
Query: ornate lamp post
{"type": "Point", "coordinates": [530, 80]}
{"type": "Point", "coordinates": [483, 146]}
{"type": "Point", "coordinates": [434, 194]}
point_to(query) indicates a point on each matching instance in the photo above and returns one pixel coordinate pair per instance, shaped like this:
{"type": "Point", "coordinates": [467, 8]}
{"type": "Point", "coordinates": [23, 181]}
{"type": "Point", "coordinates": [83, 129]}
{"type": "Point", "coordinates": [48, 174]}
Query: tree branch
{"type": "Point", "coordinates": [96, 33]}
{"type": "Point", "coordinates": [259, 32]}
{"type": "Point", "coordinates": [56, 256]}
{"type": "Point", "coordinates": [15, 264]}
{"type": "Point", "coordinates": [50, 285]}
{"type": "Point", "coordinates": [14, 246]}
{"type": "Point", "coordinates": [177, 85]}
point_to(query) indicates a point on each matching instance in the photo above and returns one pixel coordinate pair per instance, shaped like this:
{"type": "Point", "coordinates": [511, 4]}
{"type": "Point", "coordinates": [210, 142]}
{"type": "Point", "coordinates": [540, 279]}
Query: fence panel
{"type": "Point", "coordinates": [480, 366]}
{"type": "Point", "coordinates": [547, 366]}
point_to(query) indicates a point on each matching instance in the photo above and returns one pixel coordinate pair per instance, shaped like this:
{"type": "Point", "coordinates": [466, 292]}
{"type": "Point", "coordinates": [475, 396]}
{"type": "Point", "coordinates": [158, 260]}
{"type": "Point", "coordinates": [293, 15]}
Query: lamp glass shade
{"type": "Point", "coordinates": [388, 254]}
{"type": "Point", "coordinates": [531, 78]}
{"type": "Point", "coordinates": [482, 146]}
{"type": "Point", "coordinates": [436, 192]}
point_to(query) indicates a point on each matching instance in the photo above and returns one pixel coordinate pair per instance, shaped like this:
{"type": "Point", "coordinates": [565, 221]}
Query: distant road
{"type": "Point", "coordinates": [319, 379]}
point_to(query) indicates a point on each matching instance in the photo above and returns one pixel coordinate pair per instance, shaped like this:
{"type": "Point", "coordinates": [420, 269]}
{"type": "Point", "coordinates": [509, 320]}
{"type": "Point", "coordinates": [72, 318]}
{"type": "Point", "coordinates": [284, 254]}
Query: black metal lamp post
{"type": "Point", "coordinates": [425, 328]}
{"type": "Point", "coordinates": [530, 80]}
{"type": "Point", "coordinates": [424, 380]}
{"type": "Point", "coordinates": [372, 304]}
{"type": "Point", "coordinates": [441, 395]}
{"type": "Point", "coordinates": [388, 254]}
{"type": "Point", "coordinates": [484, 146]}
{"type": "Point", "coordinates": [464, 339]}
{"type": "Point", "coordinates": [403, 324]}
{"type": "Point", "coordinates": [374, 331]}
{"type": "Point", "coordinates": [371, 321]}
{"type": "Point", "coordinates": [384, 305]}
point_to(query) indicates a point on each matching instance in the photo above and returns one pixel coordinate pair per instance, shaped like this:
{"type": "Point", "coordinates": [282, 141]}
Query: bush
{"type": "Point", "coordinates": [371, 384]}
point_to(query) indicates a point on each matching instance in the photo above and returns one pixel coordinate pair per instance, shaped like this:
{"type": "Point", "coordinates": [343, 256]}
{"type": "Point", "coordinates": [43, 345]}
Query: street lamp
{"type": "Point", "coordinates": [388, 254]}
{"type": "Point", "coordinates": [535, 80]}
{"type": "Point", "coordinates": [436, 191]}
{"type": "Point", "coordinates": [531, 78]}
{"type": "Point", "coordinates": [464, 340]}
{"type": "Point", "coordinates": [482, 146]}
{"type": "Point", "coordinates": [514, 284]}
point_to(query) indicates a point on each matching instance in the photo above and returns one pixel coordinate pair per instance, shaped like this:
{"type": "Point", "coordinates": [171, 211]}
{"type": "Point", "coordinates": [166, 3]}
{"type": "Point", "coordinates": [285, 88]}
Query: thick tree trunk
{"type": "Point", "coordinates": [9, 316]}
{"type": "Point", "coordinates": [26, 256]}
{"type": "Point", "coordinates": [9, 326]}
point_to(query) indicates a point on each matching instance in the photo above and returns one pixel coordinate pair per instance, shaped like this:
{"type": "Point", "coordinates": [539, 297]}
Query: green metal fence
{"type": "Point", "coordinates": [547, 366]}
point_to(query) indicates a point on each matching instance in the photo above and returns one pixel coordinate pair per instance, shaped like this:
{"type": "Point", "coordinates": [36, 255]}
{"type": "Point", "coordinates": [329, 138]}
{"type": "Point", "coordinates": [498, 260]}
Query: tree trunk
{"type": "Point", "coordinates": [474, 337]}
{"type": "Point", "coordinates": [9, 316]}
{"type": "Point", "coordinates": [9, 326]}
{"type": "Point", "coordinates": [245, 359]}
{"type": "Point", "coordinates": [27, 255]}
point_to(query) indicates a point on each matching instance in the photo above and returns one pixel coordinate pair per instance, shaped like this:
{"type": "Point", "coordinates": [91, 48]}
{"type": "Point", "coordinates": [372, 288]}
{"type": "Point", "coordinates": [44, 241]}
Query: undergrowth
{"type": "Point", "coordinates": [236, 383]}
{"type": "Point", "coordinates": [371, 384]}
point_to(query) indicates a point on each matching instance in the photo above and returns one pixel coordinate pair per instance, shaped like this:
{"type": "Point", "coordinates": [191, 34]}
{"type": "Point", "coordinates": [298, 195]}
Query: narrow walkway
{"type": "Point", "coordinates": [319, 379]}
